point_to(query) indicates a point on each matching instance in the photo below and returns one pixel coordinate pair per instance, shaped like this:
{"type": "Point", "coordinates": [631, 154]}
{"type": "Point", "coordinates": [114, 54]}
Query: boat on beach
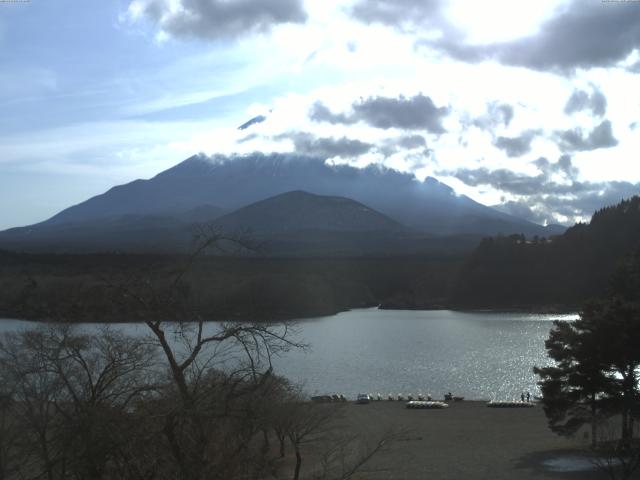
{"type": "Point", "coordinates": [424, 404]}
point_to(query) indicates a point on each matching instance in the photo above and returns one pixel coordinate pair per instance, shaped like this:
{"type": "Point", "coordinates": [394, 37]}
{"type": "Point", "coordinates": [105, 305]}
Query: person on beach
{"type": "Point", "coordinates": [528, 397]}
{"type": "Point", "coordinates": [522, 397]}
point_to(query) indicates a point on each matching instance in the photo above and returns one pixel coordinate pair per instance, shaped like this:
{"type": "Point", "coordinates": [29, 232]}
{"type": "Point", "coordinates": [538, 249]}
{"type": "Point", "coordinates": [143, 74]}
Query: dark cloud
{"type": "Point", "coordinates": [320, 113]}
{"type": "Point", "coordinates": [545, 197]}
{"type": "Point", "coordinates": [218, 19]}
{"type": "Point", "coordinates": [307, 144]}
{"type": "Point", "coordinates": [326, 147]}
{"type": "Point", "coordinates": [564, 165]}
{"type": "Point", "coordinates": [520, 184]}
{"type": "Point", "coordinates": [414, 113]}
{"type": "Point", "coordinates": [411, 141]}
{"type": "Point", "coordinates": [587, 34]}
{"type": "Point", "coordinates": [516, 146]}
{"type": "Point", "coordinates": [497, 114]}
{"type": "Point", "coordinates": [580, 100]}
{"type": "Point", "coordinates": [584, 34]}
{"type": "Point", "coordinates": [407, 142]}
{"type": "Point", "coordinates": [253, 121]}
{"type": "Point", "coordinates": [501, 179]}
{"type": "Point", "coordinates": [397, 12]}
{"type": "Point", "coordinates": [574, 140]}
{"type": "Point", "coordinates": [247, 138]}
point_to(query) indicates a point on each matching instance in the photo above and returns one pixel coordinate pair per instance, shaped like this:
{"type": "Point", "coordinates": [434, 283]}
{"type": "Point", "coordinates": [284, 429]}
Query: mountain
{"type": "Point", "coordinates": [234, 182]}
{"type": "Point", "coordinates": [129, 232]}
{"type": "Point", "coordinates": [291, 224]}
{"type": "Point", "coordinates": [299, 204]}
{"type": "Point", "coordinates": [302, 223]}
{"type": "Point", "coordinates": [300, 211]}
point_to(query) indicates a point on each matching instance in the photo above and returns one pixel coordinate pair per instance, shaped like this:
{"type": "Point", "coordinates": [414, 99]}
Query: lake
{"type": "Point", "coordinates": [477, 355]}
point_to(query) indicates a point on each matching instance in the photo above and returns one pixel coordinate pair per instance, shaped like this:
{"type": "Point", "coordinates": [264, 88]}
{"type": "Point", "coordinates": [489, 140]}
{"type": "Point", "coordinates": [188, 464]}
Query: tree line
{"type": "Point", "coordinates": [558, 272]}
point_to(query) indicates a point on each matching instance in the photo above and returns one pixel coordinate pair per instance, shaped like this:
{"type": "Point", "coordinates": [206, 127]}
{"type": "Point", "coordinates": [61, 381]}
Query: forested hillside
{"type": "Point", "coordinates": [507, 272]}
{"type": "Point", "coordinates": [87, 287]}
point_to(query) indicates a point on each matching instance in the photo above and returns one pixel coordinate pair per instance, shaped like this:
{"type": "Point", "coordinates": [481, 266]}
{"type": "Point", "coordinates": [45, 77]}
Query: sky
{"type": "Point", "coordinates": [532, 106]}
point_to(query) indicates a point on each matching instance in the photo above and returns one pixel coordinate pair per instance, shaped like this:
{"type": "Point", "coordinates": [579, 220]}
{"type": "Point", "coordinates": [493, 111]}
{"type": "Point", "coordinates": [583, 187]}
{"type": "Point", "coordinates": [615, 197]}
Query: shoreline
{"type": "Point", "coordinates": [289, 318]}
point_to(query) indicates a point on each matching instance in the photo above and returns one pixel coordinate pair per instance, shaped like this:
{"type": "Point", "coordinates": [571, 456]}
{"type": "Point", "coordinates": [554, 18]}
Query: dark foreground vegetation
{"type": "Point", "coordinates": [81, 287]}
{"type": "Point", "coordinates": [508, 272]}
{"type": "Point", "coordinates": [595, 379]}
{"type": "Point", "coordinates": [185, 400]}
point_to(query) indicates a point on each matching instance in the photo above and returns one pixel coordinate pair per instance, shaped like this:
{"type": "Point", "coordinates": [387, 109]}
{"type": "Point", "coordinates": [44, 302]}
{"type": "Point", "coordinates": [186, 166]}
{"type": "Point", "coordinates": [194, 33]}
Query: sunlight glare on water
{"type": "Point", "coordinates": [478, 355]}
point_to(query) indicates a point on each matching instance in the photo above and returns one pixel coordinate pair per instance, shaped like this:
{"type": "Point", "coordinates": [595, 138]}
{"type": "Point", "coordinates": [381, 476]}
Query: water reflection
{"type": "Point", "coordinates": [478, 355]}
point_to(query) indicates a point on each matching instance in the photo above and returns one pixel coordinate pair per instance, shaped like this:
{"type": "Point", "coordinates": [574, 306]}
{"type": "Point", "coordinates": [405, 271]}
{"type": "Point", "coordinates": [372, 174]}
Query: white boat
{"type": "Point", "coordinates": [421, 404]}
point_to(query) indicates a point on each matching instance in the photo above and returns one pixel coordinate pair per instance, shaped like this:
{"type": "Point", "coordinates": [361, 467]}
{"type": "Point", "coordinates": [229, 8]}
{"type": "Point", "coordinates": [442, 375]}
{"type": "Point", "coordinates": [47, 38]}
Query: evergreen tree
{"type": "Point", "coordinates": [597, 361]}
{"type": "Point", "coordinates": [576, 388]}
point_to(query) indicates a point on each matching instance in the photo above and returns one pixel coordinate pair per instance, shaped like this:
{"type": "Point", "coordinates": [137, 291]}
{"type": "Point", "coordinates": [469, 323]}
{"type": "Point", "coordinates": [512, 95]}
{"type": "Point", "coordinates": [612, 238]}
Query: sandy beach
{"type": "Point", "coordinates": [465, 441]}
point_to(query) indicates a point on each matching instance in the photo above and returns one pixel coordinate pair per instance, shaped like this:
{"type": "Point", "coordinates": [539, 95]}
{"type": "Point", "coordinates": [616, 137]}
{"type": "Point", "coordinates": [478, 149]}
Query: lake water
{"type": "Point", "coordinates": [472, 354]}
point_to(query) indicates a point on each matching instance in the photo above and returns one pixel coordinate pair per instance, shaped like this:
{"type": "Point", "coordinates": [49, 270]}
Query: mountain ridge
{"type": "Point", "coordinates": [233, 182]}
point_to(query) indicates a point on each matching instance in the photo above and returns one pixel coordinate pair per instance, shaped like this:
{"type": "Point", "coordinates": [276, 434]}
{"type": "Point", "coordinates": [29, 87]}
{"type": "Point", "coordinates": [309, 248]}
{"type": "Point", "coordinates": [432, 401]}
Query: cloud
{"type": "Point", "coordinates": [522, 209]}
{"type": "Point", "coordinates": [564, 165]}
{"type": "Point", "coordinates": [411, 141]}
{"type": "Point", "coordinates": [580, 100]}
{"type": "Point", "coordinates": [217, 19]}
{"type": "Point", "coordinates": [497, 114]}
{"type": "Point", "coordinates": [582, 35]}
{"type": "Point", "coordinates": [516, 146]}
{"type": "Point", "coordinates": [391, 146]}
{"type": "Point", "coordinates": [574, 140]}
{"type": "Point", "coordinates": [248, 138]}
{"type": "Point", "coordinates": [320, 113]}
{"type": "Point", "coordinates": [501, 179]}
{"type": "Point", "coordinates": [396, 12]}
{"type": "Point", "coordinates": [325, 147]}
{"type": "Point", "coordinates": [515, 183]}
{"type": "Point", "coordinates": [592, 197]}
{"type": "Point", "coordinates": [309, 145]}
{"type": "Point", "coordinates": [414, 113]}
{"type": "Point", "coordinates": [253, 121]}
{"type": "Point", "coordinates": [544, 197]}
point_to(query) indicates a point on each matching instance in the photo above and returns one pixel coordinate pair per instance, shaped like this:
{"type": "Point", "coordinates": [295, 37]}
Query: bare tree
{"type": "Point", "coordinates": [190, 400]}
{"type": "Point", "coordinates": [308, 423]}
{"type": "Point", "coordinates": [238, 354]}
{"type": "Point", "coordinates": [9, 433]}
{"type": "Point", "coordinates": [348, 454]}
{"type": "Point", "coordinates": [70, 395]}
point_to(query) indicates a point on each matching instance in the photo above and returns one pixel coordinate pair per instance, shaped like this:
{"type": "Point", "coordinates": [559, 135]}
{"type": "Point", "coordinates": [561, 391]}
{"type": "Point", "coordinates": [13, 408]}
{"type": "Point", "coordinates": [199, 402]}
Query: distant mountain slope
{"type": "Point", "coordinates": [507, 272]}
{"type": "Point", "coordinates": [234, 182]}
{"type": "Point", "coordinates": [123, 233]}
{"type": "Point", "coordinates": [299, 211]}
{"type": "Point", "coordinates": [291, 224]}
